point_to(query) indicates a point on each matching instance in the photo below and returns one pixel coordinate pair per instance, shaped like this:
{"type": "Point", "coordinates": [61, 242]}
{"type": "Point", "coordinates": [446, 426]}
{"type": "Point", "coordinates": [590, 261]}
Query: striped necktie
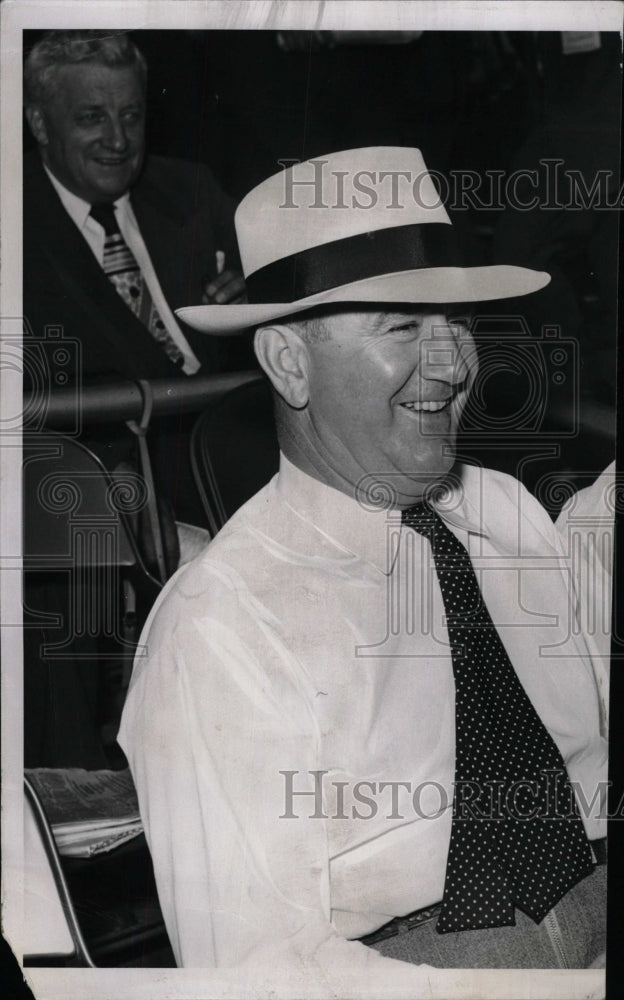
{"type": "Point", "coordinates": [121, 267]}
{"type": "Point", "coordinates": [517, 838]}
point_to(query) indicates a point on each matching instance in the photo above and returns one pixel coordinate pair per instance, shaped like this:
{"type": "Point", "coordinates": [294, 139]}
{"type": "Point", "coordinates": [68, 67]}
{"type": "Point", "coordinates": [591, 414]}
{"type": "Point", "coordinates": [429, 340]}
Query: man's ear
{"type": "Point", "coordinates": [36, 120]}
{"type": "Point", "coordinates": [284, 357]}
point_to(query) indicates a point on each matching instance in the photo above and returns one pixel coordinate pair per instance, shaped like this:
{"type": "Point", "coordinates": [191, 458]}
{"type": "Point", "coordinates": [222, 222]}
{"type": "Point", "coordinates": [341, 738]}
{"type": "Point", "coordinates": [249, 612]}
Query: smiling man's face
{"type": "Point", "coordinates": [92, 131]}
{"type": "Point", "coordinates": [386, 391]}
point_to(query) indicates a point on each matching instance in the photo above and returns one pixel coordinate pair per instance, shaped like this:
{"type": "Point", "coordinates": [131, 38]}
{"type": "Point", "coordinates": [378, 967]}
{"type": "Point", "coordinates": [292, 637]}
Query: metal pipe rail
{"type": "Point", "coordinates": [117, 400]}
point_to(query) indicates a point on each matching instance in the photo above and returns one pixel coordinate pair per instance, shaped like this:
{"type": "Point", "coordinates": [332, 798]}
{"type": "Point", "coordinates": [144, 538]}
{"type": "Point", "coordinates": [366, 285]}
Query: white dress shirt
{"type": "Point", "coordinates": [308, 639]}
{"type": "Point", "coordinates": [79, 212]}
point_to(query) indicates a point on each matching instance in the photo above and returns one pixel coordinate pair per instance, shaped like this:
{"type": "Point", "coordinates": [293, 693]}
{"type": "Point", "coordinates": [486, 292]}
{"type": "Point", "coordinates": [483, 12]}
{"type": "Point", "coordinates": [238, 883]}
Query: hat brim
{"type": "Point", "coordinates": [428, 285]}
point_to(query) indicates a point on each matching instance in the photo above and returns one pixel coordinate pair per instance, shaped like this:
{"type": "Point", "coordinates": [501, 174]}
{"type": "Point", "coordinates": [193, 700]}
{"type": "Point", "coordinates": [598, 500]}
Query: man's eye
{"type": "Point", "coordinates": [463, 320]}
{"type": "Point", "coordinates": [131, 117]}
{"type": "Point", "coordinates": [89, 118]}
{"type": "Point", "coordinates": [407, 328]}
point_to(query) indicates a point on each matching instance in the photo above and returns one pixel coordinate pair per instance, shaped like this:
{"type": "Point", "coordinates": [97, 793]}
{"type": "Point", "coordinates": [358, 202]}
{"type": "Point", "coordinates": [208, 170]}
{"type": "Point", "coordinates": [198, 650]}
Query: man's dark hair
{"type": "Point", "coordinates": [64, 48]}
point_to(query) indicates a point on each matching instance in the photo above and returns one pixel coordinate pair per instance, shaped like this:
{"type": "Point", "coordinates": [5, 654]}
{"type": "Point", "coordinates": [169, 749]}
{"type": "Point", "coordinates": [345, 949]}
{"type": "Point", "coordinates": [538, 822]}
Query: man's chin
{"type": "Point", "coordinates": [413, 486]}
{"type": "Point", "coordinates": [399, 489]}
{"type": "Point", "coordinates": [107, 192]}
{"type": "Point", "coordinates": [112, 182]}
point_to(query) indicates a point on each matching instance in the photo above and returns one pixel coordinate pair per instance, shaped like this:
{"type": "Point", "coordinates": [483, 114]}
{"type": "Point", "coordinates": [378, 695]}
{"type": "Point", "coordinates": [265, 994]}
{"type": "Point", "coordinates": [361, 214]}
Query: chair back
{"type": "Point", "coordinates": [78, 524]}
{"type": "Point", "coordinates": [234, 450]}
{"type": "Point", "coordinates": [74, 510]}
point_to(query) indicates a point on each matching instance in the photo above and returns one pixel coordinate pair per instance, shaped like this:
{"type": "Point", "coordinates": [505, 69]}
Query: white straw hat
{"type": "Point", "coordinates": [361, 225]}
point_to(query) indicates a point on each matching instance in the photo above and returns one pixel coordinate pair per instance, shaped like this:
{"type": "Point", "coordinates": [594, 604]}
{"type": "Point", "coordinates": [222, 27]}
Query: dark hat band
{"type": "Point", "coordinates": [354, 258]}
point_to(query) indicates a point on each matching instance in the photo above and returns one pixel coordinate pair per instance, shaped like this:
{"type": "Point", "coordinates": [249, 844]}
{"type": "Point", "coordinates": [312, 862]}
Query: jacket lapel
{"type": "Point", "coordinates": [168, 226]}
{"type": "Point", "coordinates": [79, 276]}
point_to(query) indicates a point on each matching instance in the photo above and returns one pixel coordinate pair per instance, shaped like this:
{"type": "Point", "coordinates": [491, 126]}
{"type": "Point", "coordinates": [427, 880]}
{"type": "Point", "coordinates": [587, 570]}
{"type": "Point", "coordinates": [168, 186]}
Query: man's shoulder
{"type": "Point", "coordinates": [489, 486]}
{"type": "Point", "coordinates": [220, 584]}
{"type": "Point", "coordinates": [39, 194]}
{"type": "Point", "coordinates": [175, 176]}
{"type": "Point", "coordinates": [593, 506]}
{"type": "Point", "coordinates": [168, 166]}
{"type": "Point", "coordinates": [33, 167]}
{"type": "Point", "coordinates": [248, 529]}
{"type": "Point", "coordinates": [506, 509]}
{"type": "Point", "coordinates": [240, 544]}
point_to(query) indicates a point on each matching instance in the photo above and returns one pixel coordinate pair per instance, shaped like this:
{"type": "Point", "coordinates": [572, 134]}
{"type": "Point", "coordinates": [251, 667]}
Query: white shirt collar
{"type": "Point", "coordinates": [77, 208]}
{"type": "Point", "coordinates": [358, 529]}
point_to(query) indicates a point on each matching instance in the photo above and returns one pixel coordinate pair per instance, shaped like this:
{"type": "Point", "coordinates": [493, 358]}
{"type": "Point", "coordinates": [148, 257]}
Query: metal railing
{"type": "Point", "coordinates": [101, 401]}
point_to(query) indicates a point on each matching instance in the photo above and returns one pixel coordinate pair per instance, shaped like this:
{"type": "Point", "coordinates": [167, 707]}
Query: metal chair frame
{"type": "Point", "coordinates": [81, 956]}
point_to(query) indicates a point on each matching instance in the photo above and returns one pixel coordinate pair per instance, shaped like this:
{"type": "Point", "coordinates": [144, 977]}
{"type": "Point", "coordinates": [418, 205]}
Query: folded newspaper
{"type": "Point", "coordinates": [90, 812]}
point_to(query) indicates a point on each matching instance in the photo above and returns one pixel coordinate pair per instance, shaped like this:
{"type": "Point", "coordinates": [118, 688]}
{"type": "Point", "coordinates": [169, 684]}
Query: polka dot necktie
{"type": "Point", "coordinates": [121, 267]}
{"type": "Point", "coordinates": [517, 838]}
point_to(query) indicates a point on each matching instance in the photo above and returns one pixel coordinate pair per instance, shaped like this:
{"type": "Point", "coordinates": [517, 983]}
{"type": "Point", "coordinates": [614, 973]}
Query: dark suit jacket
{"type": "Point", "coordinates": [184, 219]}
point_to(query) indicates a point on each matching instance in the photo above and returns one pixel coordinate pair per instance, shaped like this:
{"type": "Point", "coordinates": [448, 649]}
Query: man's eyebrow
{"type": "Point", "coordinates": [381, 318]}
{"type": "Point", "coordinates": [81, 108]}
{"type": "Point", "coordinates": [387, 319]}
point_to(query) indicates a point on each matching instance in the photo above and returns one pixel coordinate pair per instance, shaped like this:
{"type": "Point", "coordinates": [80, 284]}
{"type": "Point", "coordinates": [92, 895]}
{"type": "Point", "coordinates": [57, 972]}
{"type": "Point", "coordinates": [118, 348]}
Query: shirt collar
{"type": "Point", "coordinates": [359, 529]}
{"type": "Point", "coordinates": [77, 208]}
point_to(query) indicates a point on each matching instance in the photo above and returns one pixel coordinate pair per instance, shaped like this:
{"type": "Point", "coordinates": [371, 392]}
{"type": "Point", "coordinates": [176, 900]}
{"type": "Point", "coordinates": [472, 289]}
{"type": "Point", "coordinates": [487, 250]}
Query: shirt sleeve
{"type": "Point", "coordinates": [215, 713]}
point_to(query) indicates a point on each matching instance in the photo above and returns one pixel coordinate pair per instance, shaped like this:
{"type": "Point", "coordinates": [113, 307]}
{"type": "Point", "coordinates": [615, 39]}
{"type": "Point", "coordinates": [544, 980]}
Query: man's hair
{"type": "Point", "coordinates": [64, 48]}
{"type": "Point", "coordinates": [312, 328]}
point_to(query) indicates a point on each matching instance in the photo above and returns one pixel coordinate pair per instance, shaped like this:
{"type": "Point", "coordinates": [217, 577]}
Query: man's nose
{"type": "Point", "coordinates": [114, 136]}
{"type": "Point", "coordinates": [446, 353]}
